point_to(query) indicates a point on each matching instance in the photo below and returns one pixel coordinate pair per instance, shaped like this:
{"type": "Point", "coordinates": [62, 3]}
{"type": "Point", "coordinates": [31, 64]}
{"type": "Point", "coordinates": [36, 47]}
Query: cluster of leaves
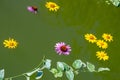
{"type": "Point", "coordinates": [114, 2]}
{"type": "Point", "coordinates": [77, 66]}
{"type": "Point", "coordinates": [62, 68]}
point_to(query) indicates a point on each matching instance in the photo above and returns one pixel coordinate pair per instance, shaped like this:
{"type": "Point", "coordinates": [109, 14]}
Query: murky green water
{"type": "Point", "coordinates": [37, 35]}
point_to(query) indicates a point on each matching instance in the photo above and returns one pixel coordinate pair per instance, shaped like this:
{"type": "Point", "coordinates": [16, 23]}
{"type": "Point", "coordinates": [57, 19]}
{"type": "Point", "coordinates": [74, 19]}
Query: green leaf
{"type": "Point", "coordinates": [2, 74]}
{"type": "Point", "coordinates": [47, 63]}
{"type": "Point", "coordinates": [77, 64]}
{"type": "Point", "coordinates": [56, 72]}
{"type": "Point", "coordinates": [90, 67]}
{"type": "Point", "coordinates": [60, 66]}
{"type": "Point", "coordinates": [1, 78]}
{"type": "Point", "coordinates": [66, 66]}
{"type": "Point", "coordinates": [39, 74]}
{"type": "Point", "coordinates": [115, 2]}
{"type": "Point", "coordinates": [70, 75]}
{"type": "Point", "coordinates": [84, 65]}
{"type": "Point", "coordinates": [59, 74]}
{"type": "Point", "coordinates": [70, 68]}
{"type": "Point", "coordinates": [53, 70]}
{"type": "Point", "coordinates": [103, 69]}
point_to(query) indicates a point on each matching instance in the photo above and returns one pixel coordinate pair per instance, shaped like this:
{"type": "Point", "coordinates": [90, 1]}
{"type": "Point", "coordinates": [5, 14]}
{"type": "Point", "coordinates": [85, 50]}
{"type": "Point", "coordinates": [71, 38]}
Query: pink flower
{"type": "Point", "coordinates": [32, 9]}
{"type": "Point", "coordinates": [62, 48]}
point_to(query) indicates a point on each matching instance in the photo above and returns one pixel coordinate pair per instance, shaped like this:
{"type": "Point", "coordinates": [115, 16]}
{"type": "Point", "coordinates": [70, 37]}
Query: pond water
{"type": "Point", "coordinates": [37, 35]}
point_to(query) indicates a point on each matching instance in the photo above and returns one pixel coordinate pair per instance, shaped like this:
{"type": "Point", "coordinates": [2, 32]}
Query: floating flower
{"type": "Point", "coordinates": [10, 43]}
{"type": "Point", "coordinates": [102, 55]}
{"type": "Point", "coordinates": [90, 37]}
{"type": "Point", "coordinates": [32, 9]}
{"type": "Point", "coordinates": [62, 48]}
{"type": "Point", "coordinates": [52, 6]}
{"type": "Point", "coordinates": [102, 44]}
{"type": "Point", "coordinates": [107, 37]}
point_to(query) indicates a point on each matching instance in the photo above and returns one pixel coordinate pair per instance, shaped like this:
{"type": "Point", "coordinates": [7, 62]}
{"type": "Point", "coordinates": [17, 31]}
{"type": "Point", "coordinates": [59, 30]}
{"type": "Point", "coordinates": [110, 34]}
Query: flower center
{"type": "Point", "coordinates": [52, 5]}
{"type": "Point", "coordinates": [102, 55]}
{"type": "Point", "coordinates": [91, 37]}
{"type": "Point", "coordinates": [63, 48]}
{"type": "Point", "coordinates": [11, 44]}
{"type": "Point", "coordinates": [108, 37]}
{"type": "Point", "coordinates": [34, 8]}
{"type": "Point", "coordinates": [102, 44]}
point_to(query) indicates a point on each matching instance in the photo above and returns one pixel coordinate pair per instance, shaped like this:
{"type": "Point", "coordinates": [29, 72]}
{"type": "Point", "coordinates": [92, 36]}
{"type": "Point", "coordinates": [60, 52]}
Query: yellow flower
{"type": "Point", "coordinates": [10, 43]}
{"type": "Point", "coordinates": [52, 6]}
{"type": "Point", "coordinates": [107, 37]}
{"type": "Point", "coordinates": [102, 55]}
{"type": "Point", "coordinates": [90, 37]}
{"type": "Point", "coordinates": [102, 44]}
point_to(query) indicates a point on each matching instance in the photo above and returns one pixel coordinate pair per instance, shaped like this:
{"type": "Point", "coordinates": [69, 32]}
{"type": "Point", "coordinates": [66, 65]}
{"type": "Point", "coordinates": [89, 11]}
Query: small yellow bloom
{"type": "Point", "coordinates": [107, 37]}
{"type": "Point", "coordinates": [10, 43]}
{"type": "Point", "coordinates": [52, 6]}
{"type": "Point", "coordinates": [102, 44]}
{"type": "Point", "coordinates": [90, 37]}
{"type": "Point", "coordinates": [102, 55]}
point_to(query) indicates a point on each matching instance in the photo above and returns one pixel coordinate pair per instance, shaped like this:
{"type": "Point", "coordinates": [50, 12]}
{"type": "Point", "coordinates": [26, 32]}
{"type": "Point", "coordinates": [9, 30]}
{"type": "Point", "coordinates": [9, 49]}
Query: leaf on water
{"type": "Point", "coordinates": [115, 2]}
{"type": "Point", "coordinates": [66, 66]}
{"type": "Point", "coordinates": [56, 72]}
{"type": "Point", "coordinates": [59, 74]}
{"type": "Point", "coordinates": [1, 78]}
{"type": "Point", "coordinates": [84, 65]}
{"type": "Point", "coordinates": [2, 72]}
{"type": "Point", "coordinates": [70, 75]}
{"type": "Point", "coordinates": [103, 69]}
{"type": "Point", "coordinates": [47, 63]}
{"type": "Point", "coordinates": [70, 68]}
{"type": "Point", "coordinates": [77, 64]}
{"type": "Point", "coordinates": [39, 74]}
{"type": "Point", "coordinates": [90, 67]}
{"type": "Point", "coordinates": [60, 66]}
{"type": "Point", "coordinates": [53, 70]}
{"type": "Point", "coordinates": [108, 2]}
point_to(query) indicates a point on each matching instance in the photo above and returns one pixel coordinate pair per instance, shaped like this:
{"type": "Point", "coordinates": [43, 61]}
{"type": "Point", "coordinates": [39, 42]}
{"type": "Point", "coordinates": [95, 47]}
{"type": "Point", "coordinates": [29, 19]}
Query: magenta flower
{"type": "Point", "coordinates": [62, 48]}
{"type": "Point", "coordinates": [32, 9]}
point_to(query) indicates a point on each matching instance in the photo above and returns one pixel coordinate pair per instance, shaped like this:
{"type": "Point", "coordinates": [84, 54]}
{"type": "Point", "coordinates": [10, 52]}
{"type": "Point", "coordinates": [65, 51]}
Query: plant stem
{"type": "Point", "coordinates": [23, 74]}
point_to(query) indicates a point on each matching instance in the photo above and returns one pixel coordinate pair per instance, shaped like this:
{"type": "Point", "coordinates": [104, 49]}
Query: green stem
{"type": "Point", "coordinates": [23, 74]}
{"type": "Point", "coordinates": [15, 76]}
{"type": "Point", "coordinates": [40, 63]}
